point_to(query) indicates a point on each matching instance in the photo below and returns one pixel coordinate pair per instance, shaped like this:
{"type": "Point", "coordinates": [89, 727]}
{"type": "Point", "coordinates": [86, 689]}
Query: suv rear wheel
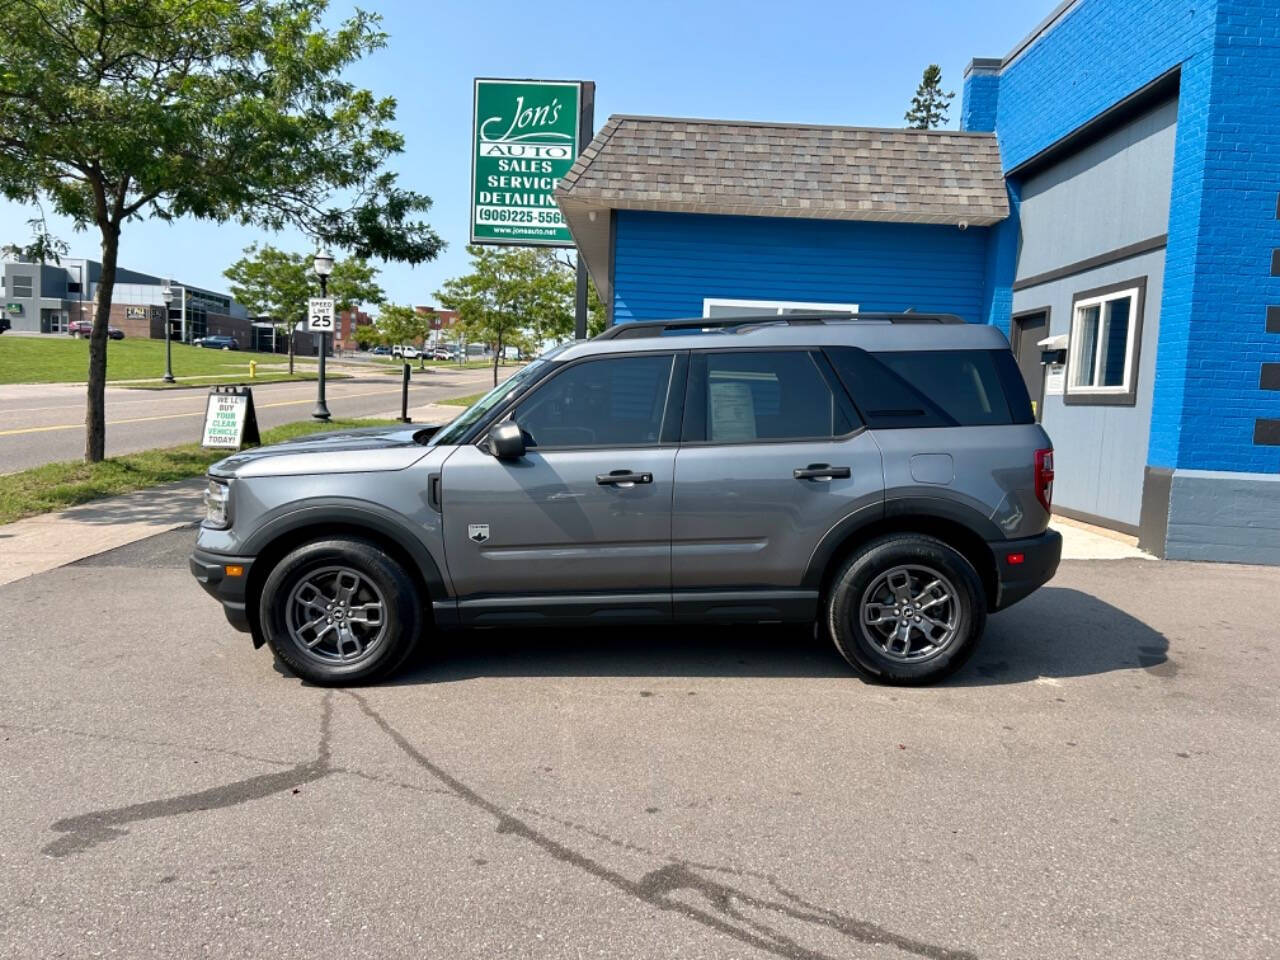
{"type": "Point", "coordinates": [906, 609]}
{"type": "Point", "coordinates": [340, 611]}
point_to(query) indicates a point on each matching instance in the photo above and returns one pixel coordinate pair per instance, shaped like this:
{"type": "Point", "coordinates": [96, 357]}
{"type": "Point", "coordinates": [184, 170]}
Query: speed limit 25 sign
{"type": "Point", "coordinates": [320, 315]}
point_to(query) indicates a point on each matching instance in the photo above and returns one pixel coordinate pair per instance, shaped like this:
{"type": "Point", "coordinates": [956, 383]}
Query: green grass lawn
{"type": "Point", "coordinates": [66, 360]}
{"type": "Point", "coordinates": [56, 486]}
{"type": "Point", "coordinates": [466, 401]}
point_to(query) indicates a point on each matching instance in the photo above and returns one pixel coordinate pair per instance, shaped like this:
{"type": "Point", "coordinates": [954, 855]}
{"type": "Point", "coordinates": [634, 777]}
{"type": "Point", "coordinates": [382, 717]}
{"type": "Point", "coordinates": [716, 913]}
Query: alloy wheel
{"type": "Point", "coordinates": [336, 615]}
{"type": "Point", "coordinates": [911, 613]}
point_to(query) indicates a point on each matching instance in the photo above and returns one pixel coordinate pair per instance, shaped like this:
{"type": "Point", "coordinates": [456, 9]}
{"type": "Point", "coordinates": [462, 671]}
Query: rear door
{"type": "Point", "coordinates": [1028, 330]}
{"type": "Point", "coordinates": [581, 525]}
{"type": "Point", "coordinates": [772, 457]}
{"type": "Point", "coordinates": [957, 434]}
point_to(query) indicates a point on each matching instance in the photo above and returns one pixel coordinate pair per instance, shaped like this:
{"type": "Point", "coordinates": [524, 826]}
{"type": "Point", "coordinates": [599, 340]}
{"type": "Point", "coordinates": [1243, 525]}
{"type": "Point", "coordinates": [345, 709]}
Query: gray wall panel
{"type": "Point", "coordinates": [1224, 516]}
{"type": "Point", "coordinates": [1111, 194]}
{"type": "Point", "coordinates": [1101, 451]}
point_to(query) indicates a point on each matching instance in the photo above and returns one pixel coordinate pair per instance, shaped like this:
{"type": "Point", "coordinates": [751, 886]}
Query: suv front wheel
{"type": "Point", "coordinates": [906, 609]}
{"type": "Point", "coordinates": [340, 611]}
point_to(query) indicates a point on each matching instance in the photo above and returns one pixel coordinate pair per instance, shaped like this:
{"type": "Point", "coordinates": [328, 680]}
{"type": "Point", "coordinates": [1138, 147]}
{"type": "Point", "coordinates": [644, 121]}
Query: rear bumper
{"type": "Point", "coordinates": [210, 571]}
{"type": "Point", "coordinates": [1040, 556]}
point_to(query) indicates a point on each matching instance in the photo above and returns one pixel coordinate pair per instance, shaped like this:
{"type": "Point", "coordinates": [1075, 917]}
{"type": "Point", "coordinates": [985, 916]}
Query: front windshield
{"type": "Point", "coordinates": [474, 413]}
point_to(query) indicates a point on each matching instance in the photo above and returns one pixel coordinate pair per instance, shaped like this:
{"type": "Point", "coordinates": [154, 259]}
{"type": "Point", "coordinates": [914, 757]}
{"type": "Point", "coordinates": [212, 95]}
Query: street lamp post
{"type": "Point", "coordinates": [166, 293]}
{"type": "Point", "coordinates": [323, 266]}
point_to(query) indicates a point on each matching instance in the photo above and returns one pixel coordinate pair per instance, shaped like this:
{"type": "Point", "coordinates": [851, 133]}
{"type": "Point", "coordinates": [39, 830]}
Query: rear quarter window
{"type": "Point", "coordinates": [934, 388]}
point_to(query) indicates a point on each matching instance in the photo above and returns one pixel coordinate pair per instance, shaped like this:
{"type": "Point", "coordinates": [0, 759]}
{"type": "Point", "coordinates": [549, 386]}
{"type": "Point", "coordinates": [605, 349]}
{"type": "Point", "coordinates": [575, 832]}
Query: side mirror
{"type": "Point", "coordinates": [506, 442]}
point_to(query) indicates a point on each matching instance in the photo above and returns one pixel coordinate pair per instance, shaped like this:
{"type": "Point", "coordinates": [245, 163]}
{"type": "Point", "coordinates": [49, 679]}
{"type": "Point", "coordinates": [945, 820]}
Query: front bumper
{"type": "Point", "coordinates": [210, 570]}
{"type": "Point", "coordinates": [1018, 580]}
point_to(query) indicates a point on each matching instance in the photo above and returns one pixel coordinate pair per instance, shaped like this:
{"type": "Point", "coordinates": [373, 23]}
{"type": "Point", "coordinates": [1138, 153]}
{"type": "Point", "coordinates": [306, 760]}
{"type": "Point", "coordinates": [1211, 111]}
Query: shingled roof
{"type": "Point", "coordinates": [781, 170]}
{"type": "Point", "coordinates": [788, 170]}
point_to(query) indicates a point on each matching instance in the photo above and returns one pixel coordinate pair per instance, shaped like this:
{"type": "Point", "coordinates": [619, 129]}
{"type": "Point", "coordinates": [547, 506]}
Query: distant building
{"type": "Point", "coordinates": [440, 327]}
{"type": "Point", "coordinates": [45, 298]}
{"type": "Point", "coordinates": [353, 326]}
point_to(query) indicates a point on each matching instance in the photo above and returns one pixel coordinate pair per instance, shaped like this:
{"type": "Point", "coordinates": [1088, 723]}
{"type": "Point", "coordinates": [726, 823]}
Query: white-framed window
{"type": "Point", "coordinates": [1106, 330]}
{"type": "Point", "coordinates": [727, 307]}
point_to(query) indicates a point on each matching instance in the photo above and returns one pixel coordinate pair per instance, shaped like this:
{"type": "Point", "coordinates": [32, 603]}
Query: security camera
{"type": "Point", "coordinates": [963, 224]}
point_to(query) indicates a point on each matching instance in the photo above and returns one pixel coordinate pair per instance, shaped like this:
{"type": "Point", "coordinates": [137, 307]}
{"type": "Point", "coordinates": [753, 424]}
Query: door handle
{"type": "Point", "coordinates": [821, 471]}
{"type": "Point", "coordinates": [616, 477]}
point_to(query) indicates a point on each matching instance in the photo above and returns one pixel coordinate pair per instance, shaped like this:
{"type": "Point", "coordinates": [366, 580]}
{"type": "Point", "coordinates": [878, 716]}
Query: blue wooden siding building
{"type": "Point", "coordinates": [1113, 195]}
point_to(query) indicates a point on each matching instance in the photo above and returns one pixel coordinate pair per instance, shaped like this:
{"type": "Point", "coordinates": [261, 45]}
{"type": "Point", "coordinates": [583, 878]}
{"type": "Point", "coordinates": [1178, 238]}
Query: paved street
{"type": "Point", "coordinates": [1099, 782]}
{"type": "Point", "coordinates": [42, 423]}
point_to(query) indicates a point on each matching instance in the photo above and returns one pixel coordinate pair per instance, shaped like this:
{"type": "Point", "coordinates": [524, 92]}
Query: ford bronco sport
{"type": "Point", "coordinates": [882, 475]}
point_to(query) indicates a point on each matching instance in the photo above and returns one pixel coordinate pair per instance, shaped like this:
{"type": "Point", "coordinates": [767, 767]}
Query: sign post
{"type": "Point", "coordinates": [320, 314]}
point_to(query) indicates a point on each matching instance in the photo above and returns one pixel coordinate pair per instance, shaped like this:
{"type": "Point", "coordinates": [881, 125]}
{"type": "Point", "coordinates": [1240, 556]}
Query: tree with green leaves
{"type": "Point", "coordinates": [513, 296]}
{"type": "Point", "coordinates": [222, 110]}
{"type": "Point", "coordinates": [400, 325]}
{"type": "Point", "coordinates": [277, 284]}
{"type": "Point", "coordinates": [929, 106]}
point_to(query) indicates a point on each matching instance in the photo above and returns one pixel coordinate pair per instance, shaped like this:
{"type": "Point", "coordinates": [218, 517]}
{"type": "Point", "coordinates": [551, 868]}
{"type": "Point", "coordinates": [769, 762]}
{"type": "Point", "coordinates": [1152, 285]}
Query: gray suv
{"type": "Point", "coordinates": [882, 475]}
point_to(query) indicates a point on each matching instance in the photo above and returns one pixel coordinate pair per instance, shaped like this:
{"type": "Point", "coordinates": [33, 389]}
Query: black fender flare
{"type": "Point", "coordinates": [915, 507]}
{"type": "Point", "coordinates": [335, 511]}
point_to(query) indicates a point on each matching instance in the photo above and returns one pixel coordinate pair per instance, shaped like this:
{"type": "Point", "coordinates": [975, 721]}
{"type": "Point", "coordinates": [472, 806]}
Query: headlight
{"type": "Point", "coordinates": [217, 496]}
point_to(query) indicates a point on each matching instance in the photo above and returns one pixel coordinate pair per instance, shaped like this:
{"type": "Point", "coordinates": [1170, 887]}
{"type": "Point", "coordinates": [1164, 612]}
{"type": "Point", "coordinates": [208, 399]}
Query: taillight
{"type": "Point", "coordinates": [1044, 478]}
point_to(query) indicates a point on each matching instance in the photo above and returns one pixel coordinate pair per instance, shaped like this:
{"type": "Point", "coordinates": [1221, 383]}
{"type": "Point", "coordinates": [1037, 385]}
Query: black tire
{"type": "Point", "coordinates": [386, 585]}
{"type": "Point", "coordinates": [863, 645]}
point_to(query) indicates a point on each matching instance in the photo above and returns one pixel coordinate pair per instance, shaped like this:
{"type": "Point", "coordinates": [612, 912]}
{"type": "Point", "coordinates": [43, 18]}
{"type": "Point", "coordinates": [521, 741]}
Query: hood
{"type": "Point", "coordinates": [365, 450]}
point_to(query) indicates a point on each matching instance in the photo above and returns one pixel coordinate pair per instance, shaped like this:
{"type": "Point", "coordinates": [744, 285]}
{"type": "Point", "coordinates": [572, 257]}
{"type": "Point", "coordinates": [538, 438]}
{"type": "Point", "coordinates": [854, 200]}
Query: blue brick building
{"type": "Point", "coordinates": [1112, 202]}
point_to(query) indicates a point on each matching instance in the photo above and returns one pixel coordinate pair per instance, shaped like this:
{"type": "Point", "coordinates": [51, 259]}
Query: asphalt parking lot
{"type": "Point", "coordinates": [1100, 781]}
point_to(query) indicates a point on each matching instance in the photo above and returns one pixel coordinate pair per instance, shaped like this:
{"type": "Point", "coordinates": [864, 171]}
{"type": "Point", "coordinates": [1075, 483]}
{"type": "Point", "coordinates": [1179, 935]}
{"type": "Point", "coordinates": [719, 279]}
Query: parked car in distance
{"type": "Point", "coordinates": [381, 351]}
{"type": "Point", "coordinates": [443, 353]}
{"type": "Point", "coordinates": [218, 343]}
{"type": "Point", "coordinates": [4, 324]}
{"type": "Point", "coordinates": [84, 328]}
{"type": "Point", "coordinates": [882, 475]}
{"type": "Point", "coordinates": [406, 351]}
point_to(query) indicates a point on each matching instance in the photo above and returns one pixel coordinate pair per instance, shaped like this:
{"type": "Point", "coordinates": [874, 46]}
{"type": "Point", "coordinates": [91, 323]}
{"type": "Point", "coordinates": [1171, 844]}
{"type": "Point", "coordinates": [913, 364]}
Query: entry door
{"type": "Point", "coordinates": [1028, 330]}
{"type": "Point", "coordinates": [587, 510]}
{"type": "Point", "coordinates": [743, 518]}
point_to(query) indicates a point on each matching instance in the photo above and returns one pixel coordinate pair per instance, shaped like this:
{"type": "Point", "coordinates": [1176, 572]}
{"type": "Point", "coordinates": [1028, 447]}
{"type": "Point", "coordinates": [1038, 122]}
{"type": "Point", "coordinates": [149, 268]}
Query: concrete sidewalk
{"type": "Point", "coordinates": [51, 540]}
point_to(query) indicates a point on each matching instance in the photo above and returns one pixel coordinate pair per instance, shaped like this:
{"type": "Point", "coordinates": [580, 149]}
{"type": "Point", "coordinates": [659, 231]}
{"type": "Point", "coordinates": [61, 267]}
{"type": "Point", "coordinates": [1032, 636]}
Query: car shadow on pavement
{"type": "Point", "coordinates": [1057, 632]}
{"type": "Point", "coordinates": [1060, 632]}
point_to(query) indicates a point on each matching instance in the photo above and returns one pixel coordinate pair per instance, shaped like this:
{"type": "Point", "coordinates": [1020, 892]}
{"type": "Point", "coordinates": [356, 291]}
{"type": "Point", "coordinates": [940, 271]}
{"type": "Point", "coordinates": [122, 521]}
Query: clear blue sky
{"type": "Point", "coordinates": [816, 61]}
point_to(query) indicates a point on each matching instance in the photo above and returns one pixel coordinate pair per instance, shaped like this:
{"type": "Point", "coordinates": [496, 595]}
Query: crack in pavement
{"type": "Point", "coordinates": [656, 887]}
{"type": "Point", "coordinates": [90, 829]}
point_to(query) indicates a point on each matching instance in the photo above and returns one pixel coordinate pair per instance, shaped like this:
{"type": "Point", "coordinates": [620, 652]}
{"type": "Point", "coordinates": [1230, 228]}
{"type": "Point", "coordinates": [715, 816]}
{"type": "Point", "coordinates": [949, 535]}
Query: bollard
{"type": "Point", "coordinates": [253, 369]}
{"type": "Point", "coordinates": [404, 396]}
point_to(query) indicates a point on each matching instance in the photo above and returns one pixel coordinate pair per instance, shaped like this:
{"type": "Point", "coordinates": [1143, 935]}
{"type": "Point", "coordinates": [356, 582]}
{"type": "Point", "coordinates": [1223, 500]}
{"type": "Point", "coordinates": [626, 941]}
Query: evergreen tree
{"type": "Point", "coordinates": [929, 106]}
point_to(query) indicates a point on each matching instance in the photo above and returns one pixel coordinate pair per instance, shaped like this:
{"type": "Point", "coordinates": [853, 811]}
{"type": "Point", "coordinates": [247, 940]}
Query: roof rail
{"type": "Point", "coordinates": [656, 328]}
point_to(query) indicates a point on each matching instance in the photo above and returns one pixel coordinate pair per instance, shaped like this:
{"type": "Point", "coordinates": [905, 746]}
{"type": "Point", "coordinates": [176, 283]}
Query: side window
{"type": "Point", "coordinates": [1106, 331]}
{"type": "Point", "coordinates": [743, 397]}
{"type": "Point", "coordinates": [933, 388]}
{"type": "Point", "coordinates": [614, 402]}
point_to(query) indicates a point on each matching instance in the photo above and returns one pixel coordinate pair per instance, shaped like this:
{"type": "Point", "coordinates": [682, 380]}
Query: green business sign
{"type": "Point", "coordinates": [524, 140]}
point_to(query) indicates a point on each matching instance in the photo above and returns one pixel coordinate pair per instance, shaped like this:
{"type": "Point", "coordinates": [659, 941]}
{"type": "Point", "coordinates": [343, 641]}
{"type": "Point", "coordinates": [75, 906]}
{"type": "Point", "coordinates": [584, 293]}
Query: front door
{"type": "Point", "coordinates": [773, 457]}
{"type": "Point", "coordinates": [1028, 330]}
{"type": "Point", "coordinates": [580, 527]}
